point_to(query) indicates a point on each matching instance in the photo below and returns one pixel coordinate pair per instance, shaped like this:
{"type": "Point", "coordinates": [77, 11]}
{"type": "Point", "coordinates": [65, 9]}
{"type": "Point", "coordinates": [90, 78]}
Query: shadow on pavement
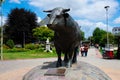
{"type": "Point", "coordinates": [47, 65]}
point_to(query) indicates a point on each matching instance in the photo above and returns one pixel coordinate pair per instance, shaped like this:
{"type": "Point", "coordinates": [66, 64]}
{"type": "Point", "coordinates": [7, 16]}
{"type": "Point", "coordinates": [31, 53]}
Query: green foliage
{"type": "Point", "coordinates": [91, 39]}
{"type": "Point", "coordinates": [10, 43]}
{"type": "Point", "coordinates": [100, 37]}
{"type": "Point", "coordinates": [20, 24]}
{"type": "Point", "coordinates": [82, 35]}
{"type": "Point", "coordinates": [42, 33]}
{"type": "Point", "coordinates": [116, 39]}
{"type": "Point", "coordinates": [115, 53]}
{"type": "Point", "coordinates": [97, 35]}
{"type": "Point", "coordinates": [5, 46]}
{"type": "Point", "coordinates": [32, 46]}
{"type": "Point", "coordinates": [15, 50]}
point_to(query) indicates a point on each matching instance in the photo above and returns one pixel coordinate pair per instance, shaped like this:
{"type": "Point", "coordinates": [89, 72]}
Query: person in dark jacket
{"type": "Point", "coordinates": [86, 50]}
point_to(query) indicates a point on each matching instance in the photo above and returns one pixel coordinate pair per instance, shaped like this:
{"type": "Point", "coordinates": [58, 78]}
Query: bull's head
{"type": "Point", "coordinates": [56, 15]}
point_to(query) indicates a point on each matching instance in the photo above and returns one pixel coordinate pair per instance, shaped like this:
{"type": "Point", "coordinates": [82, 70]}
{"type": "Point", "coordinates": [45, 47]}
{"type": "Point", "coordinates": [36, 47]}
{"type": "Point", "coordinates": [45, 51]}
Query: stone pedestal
{"type": "Point", "coordinates": [56, 72]}
{"type": "Point", "coordinates": [79, 71]}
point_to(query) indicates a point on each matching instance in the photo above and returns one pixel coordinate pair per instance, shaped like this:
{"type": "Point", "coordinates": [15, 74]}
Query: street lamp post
{"type": "Point", "coordinates": [106, 8]}
{"type": "Point", "coordinates": [1, 1]}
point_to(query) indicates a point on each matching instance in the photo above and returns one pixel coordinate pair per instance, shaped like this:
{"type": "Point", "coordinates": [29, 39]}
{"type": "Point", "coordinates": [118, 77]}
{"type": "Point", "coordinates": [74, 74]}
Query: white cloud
{"type": "Point", "coordinates": [89, 9]}
{"type": "Point", "coordinates": [38, 19]}
{"type": "Point", "coordinates": [88, 27]}
{"type": "Point", "coordinates": [117, 20]}
{"type": "Point", "coordinates": [3, 20]}
{"type": "Point", "coordinates": [15, 1]}
{"type": "Point", "coordinates": [103, 26]}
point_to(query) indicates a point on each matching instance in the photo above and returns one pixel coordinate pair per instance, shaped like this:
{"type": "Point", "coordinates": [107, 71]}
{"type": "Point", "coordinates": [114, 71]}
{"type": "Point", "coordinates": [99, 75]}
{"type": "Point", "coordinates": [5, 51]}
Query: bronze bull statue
{"type": "Point", "coordinates": [67, 35]}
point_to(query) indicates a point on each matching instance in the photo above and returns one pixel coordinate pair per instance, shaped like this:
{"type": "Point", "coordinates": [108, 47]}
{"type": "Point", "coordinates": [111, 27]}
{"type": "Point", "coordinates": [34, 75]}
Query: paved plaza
{"type": "Point", "coordinates": [16, 69]}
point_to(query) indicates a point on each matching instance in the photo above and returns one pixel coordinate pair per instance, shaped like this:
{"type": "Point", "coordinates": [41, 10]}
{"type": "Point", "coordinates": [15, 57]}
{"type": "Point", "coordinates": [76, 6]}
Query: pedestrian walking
{"type": "Point", "coordinates": [85, 50]}
{"type": "Point", "coordinates": [82, 50]}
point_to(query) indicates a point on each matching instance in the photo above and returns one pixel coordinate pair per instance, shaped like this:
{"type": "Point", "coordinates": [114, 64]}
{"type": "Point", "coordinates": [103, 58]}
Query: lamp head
{"type": "Point", "coordinates": [106, 7]}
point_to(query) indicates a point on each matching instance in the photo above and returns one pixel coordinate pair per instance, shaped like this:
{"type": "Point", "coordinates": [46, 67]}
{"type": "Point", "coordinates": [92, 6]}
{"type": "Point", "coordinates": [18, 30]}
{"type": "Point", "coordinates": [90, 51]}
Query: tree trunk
{"type": "Point", "coordinates": [23, 42]}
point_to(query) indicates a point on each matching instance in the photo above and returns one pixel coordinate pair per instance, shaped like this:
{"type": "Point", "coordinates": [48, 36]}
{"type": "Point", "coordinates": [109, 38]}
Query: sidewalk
{"type": "Point", "coordinates": [110, 66]}
{"type": "Point", "coordinates": [15, 69]}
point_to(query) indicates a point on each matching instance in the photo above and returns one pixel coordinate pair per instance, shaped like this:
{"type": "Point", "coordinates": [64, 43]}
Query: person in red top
{"type": "Point", "coordinates": [82, 50]}
{"type": "Point", "coordinates": [86, 50]}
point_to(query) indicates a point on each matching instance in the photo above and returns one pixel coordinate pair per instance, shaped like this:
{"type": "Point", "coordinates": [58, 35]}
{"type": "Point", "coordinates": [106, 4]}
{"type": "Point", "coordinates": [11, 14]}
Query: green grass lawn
{"type": "Point", "coordinates": [27, 54]}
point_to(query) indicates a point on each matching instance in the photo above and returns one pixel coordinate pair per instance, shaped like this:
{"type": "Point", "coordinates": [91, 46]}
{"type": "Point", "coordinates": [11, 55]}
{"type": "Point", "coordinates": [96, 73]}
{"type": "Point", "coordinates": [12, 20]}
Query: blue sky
{"type": "Point", "coordinates": [88, 13]}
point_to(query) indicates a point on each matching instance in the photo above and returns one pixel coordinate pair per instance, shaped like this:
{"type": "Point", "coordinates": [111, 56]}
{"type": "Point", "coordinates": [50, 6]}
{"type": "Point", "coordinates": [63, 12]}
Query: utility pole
{"type": "Point", "coordinates": [1, 55]}
{"type": "Point", "coordinates": [106, 8]}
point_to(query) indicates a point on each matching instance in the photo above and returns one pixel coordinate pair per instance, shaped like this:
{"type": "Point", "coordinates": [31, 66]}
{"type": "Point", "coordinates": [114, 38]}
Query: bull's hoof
{"type": "Point", "coordinates": [59, 64]}
{"type": "Point", "coordinates": [73, 62]}
{"type": "Point", "coordinates": [68, 65]}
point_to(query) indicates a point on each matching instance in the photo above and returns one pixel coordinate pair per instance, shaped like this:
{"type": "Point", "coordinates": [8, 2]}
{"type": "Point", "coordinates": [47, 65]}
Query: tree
{"type": "Point", "coordinates": [100, 37]}
{"type": "Point", "coordinates": [20, 24]}
{"type": "Point", "coordinates": [42, 33]}
{"type": "Point", "coordinates": [103, 39]}
{"type": "Point", "coordinates": [97, 35]}
{"type": "Point", "coordinates": [10, 43]}
{"type": "Point", "coordinates": [82, 35]}
{"type": "Point", "coordinates": [91, 39]}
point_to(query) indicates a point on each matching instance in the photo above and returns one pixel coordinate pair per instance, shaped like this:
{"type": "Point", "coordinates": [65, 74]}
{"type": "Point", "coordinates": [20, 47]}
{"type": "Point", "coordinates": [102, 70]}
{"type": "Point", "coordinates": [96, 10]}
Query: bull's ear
{"type": "Point", "coordinates": [48, 11]}
{"type": "Point", "coordinates": [66, 15]}
{"type": "Point", "coordinates": [66, 10]}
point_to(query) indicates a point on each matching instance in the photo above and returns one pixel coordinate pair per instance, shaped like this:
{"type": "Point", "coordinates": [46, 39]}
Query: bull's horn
{"type": "Point", "coordinates": [48, 11]}
{"type": "Point", "coordinates": [66, 10]}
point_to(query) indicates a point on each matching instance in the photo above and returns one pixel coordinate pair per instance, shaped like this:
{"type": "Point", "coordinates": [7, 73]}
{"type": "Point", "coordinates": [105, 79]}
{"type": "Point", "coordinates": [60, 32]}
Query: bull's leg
{"type": "Point", "coordinates": [69, 63]}
{"type": "Point", "coordinates": [59, 61]}
{"type": "Point", "coordinates": [74, 60]}
{"type": "Point", "coordinates": [65, 58]}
